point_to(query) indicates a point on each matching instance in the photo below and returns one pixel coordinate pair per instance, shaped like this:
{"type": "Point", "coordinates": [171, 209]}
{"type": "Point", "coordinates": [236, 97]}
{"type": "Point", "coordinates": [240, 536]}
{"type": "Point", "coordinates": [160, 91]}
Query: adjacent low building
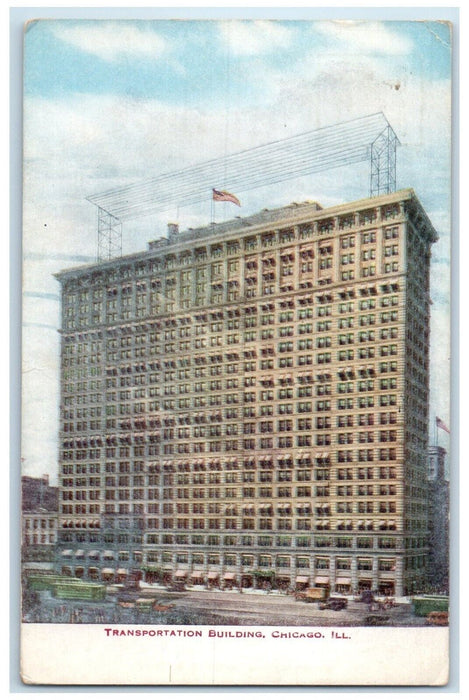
{"type": "Point", "coordinates": [39, 519]}
{"type": "Point", "coordinates": [247, 403]}
{"type": "Point", "coordinates": [438, 520]}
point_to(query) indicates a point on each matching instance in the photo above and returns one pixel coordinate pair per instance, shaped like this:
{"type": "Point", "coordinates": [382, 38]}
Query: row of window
{"type": "Point", "coordinates": [266, 240]}
{"type": "Point", "coordinates": [233, 265]}
{"type": "Point", "coordinates": [39, 523]}
{"type": "Point", "coordinates": [157, 378]}
{"type": "Point", "coordinates": [271, 524]}
{"type": "Point", "coordinates": [246, 477]}
{"type": "Point", "coordinates": [300, 508]}
{"type": "Point", "coordinates": [140, 341]}
{"type": "Point", "coordinates": [217, 270]}
{"type": "Point", "coordinates": [43, 538]}
{"type": "Point", "coordinates": [199, 420]}
{"type": "Point", "coordinates": [74, 318]}
{"type": "Point", "coordinates": [248, 540]}
{"type": "Point", "coordinates": [70, 386]}
{"type": "Point", "coordinates": [229, 540]}
{"type": "Point", "coordinates": [367, 300]}
{"type": "Point", "coordinates": [172, 303]}
{"type": "Point", "coordinates": [284, 462]}
{"type": "Point", "coordinates": [233, 383]}
{"type": "Point", "coordinates": [279, 561]}
{"type": "Point", "coordinates": [223, 400]}
{"type": "Point", "coordinates": [124, 508]}
{"type": "Point", "coordinates": [216, 428]}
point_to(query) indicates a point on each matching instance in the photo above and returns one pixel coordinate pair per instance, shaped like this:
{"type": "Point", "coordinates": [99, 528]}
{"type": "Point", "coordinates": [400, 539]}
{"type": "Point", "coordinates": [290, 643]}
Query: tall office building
{"type": "Point", "coordinates": [247, 403]}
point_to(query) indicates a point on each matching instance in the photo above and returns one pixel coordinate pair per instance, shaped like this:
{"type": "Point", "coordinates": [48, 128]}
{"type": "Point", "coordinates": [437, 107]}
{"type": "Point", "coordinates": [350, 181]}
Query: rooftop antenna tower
{"type": "Point", "coordinates": [383, 162]}
{"type": "Point", "coordinates": [366, 139]}
{"type": "Point", "coordinates": [109, 235]}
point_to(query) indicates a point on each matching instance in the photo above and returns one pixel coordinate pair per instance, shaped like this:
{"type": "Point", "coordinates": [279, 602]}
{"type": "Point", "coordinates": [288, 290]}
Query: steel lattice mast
{"type": "Point", "coordinates": [370, 138]}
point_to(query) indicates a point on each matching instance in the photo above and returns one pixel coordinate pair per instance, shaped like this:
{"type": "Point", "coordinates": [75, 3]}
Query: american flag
{"type": "Point", "coordinates": [223, 196]}
{"type": "Point", "coordinates": [440, 424]}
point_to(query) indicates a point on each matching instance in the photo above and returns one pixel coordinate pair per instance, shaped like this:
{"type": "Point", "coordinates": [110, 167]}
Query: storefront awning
{"type": "Point", "coordinates": [122, 572]}
{"type": "Point", "coordinates": [197, 574]}
{"type": "Point", "coordinates": [229, 576]}
{"type": "Point", "coordinates": [302, 579]}
{"type": "Point", "coordinates": [321, 579]}
{"type": "Point", "coordinates": [108, 555]}
{"type": "Point", "coordinates": [212, 575]}
{"type": "Point", "coordinates": [342, 581]}
{"type": "Point", "coordinates": [80, 553]}
{"type": "Point", "coordinates": [67, 553]}
{"type": "Point", "coordinates": [93, 553]}
{"type": "Point", "coordinates": [107, 571]}
{"type": "Point", "coordinates": [180, 574]}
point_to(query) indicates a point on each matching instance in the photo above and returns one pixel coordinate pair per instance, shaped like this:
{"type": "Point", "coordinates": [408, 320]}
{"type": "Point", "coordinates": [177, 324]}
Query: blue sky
{"type": "Point", "coordinates": [108, 103]}
{"type": "Point", "coordinates": [189, 61]}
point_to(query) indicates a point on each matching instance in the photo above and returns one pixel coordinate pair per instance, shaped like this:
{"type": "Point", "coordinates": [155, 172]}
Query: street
{"type": "Point", "coordinates": [273, 609]}
{"type": "Point", "coordinates": [200, 606]}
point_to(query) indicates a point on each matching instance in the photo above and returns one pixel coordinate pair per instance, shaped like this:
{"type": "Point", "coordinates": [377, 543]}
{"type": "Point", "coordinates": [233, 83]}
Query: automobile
{"type": "Point", "coordinates": [376, 620]}
{"type": "Point", "coordinates": [311, 594]}
{"type": "Point", "coordinates": [366, 597]}
{"type": "Point", "coordinates": [334, 604]}
{"type": "Point", "coordinates": [437, 617]}
{"type": "Point", "coordinates": [176, 587]}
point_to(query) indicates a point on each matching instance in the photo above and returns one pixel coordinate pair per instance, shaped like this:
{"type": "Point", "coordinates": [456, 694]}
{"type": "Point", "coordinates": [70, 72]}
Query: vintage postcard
{"type": "Point", "coordinates": [236, 352]}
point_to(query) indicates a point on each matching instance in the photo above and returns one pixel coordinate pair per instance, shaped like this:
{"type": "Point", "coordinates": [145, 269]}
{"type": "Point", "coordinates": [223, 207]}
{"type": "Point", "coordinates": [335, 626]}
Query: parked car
{"type": "Point", "coordinates": [334, 604]}
{"type": "Point", "coordinates": [376, 620]}
{"type": "Point", "coordinates": [310, 595]}
{"type": "Point", "coordinates": [438, 617]}
{"type": "Point", "coordinates": [366, 597]}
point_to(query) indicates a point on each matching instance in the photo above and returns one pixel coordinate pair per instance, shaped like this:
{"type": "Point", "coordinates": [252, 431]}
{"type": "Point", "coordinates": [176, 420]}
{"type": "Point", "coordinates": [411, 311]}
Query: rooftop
{"type": "Point", "coordinates": [287, 215]}
{"type": "Point", "coordinates": [265, 216]}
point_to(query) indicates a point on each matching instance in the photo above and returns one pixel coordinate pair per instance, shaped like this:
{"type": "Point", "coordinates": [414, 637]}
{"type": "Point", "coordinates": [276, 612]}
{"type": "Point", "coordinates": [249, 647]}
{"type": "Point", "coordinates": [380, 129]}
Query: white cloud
{"type": "Point", "coordinates": [254, 38]}
{"type": "Point", "coordinates": [364, 37]}
{"type": "Point", "coordinates": [331, 88]}
{"type": "Point", "coordinates": [112, 41]}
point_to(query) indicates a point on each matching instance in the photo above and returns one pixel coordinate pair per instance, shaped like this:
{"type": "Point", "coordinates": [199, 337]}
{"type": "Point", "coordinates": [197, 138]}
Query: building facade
{"type": "Point", "coordinates": [39, 506]}
{"type": "Point", "coordinates": [247, 403]}
{"type": "Point", "coordinates": [438, 519]}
